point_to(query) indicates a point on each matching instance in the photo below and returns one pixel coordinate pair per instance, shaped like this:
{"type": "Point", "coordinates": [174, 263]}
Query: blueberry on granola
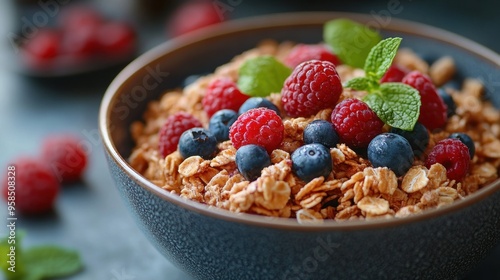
{"type": "Point", "coordinates": [392, 151]}
{"type": "Point", "coordinates": [466, 140]}
{"type": "Point", "coordinates": [448, 100]}
{"type": "Point", "coordinates": [198, 142]}
{"type": "Point", "coordinates": [251, 159]}
{"type": "Point", "coordinates": [220, 122]}
{"type": "Point", "coordinates": [257, 102]}
{"type": "Point", "coordinates": [321, 132]}
{"type": "Point", "coordinates": [418, 137]}
{"type": "Point", "coordinates": [311, 161]}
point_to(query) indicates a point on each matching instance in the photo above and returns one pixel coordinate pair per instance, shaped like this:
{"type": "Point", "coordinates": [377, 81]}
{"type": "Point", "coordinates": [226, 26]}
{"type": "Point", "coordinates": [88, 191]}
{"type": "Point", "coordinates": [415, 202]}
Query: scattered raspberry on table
{"type": "Point", "coordinates": [37, 186]}
{"type": "Point", "coordinates": [65, 156]}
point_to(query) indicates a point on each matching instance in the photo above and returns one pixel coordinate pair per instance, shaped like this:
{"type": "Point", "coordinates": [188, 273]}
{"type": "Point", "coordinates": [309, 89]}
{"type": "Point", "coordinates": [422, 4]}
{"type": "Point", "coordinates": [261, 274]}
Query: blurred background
{"type": "Point", "coordinates": [47, 90]}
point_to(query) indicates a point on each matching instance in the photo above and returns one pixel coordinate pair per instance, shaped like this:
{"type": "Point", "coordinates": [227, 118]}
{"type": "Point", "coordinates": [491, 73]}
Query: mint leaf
{"type": "Point", "coordinates": [380, 57]}
{"type": "Point", "coordinates": [261, 76]}
{"type": "Point", "coordinates": [396, 104]}
{"type": "Point", "coordinates": [350, 41]}
{"type": "Point", "coordinates": [51, 261]}
{"type": "Point", "coordinates": [361, 83]}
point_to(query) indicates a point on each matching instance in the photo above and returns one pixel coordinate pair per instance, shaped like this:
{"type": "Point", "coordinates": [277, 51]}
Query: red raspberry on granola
{"type": "Point", "coordinates": [260, 126]}
{"type": "Point", "coordinates": [172, 130]}
{"type": "Point", "coordinates": [433, 111]}
{"type": "Point", "coordinates": [313, 86]}
{"type": "Point", "coordinates": [222, 93]}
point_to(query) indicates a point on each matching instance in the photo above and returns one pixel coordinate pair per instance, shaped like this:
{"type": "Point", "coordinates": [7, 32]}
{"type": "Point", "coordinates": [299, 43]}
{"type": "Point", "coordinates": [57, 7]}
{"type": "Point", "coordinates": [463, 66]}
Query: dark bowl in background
{"type": "Point", "coordinates": [210, 243]}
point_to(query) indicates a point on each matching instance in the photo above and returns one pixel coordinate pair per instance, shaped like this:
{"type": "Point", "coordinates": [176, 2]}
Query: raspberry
{"type": "Point", "coordinates": [313, 85]}
{"type": "Point", "coordinates": [115, 38]}
{"type": "Point", "coordinates": [65, 156]}
{"type": "Point", "coordinates": [172, 130]}
{"type": "Point", "coordinates": [36, 186]}
{"type": "Point", "coordinates": [355, 123]}
{"type": "Point", "coordinates": [302, 52]}
{"type": "Point", "coordinates": [260, 126]}
{"type": "Point", "coordinates": [194, 15]}
{"type": "Point", "coordinates": [453, 155]}
{"type": "Point", "coordinates": [433, 112]}
{"type": "Point", "coordinates": [466, 140]}
{"type": "Point", "coordinates": [40, 51]}
{"type": "Point", "coordinates": [222, 93]}
{"type": "Point", "coordinates": [394, 74]}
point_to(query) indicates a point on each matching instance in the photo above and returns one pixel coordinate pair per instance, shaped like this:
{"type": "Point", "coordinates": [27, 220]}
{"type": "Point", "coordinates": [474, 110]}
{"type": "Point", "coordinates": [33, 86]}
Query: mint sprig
{"type": "Point", "coordinates": [261, 76]}
{"type": "Point", "coordinates": [39, 262]}
{"type": "Point", "coordinates": [350, 41]}
{"type": "Point", "coordinates": [396, 104]}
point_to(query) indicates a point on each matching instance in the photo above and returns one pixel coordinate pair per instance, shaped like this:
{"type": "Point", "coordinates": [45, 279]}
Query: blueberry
{"type": "Point", "coordinates": [198, 142]}
{"type": "Point", "coordinates": [220, 122]}
{"type": "Point", "coordinates": [467, 141]}
{"type": "Point", "coordinates": [418, 137]}
{"type": "Point", "coordinates": [392, 151]}
{"type": "Point", "coordinates": [311, 161]}
{"type": "Point", "coordinates": [191, 79]}
{"type": "Point", "coordinates": [321, 132]}
{"type": "Point", "coordinates": [256, 102]}
{"type": "Point", "coordinates": [448, 100]}
{"type": "Point", "coordinates": [251, 159]}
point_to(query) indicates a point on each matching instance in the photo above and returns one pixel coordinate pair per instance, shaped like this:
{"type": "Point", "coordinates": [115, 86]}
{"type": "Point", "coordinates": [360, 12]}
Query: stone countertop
{"type": "Point", "coordinates": [89, 216]}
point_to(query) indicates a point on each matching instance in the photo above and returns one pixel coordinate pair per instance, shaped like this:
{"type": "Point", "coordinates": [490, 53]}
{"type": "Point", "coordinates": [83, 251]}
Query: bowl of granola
{"type": "Point", "coordinates": [311, 146]}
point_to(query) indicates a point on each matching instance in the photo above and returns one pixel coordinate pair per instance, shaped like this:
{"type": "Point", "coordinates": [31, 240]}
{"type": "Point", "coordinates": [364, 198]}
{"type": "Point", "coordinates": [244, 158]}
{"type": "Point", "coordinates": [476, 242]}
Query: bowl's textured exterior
{"type": "Point", "coordinates": [214, 244]}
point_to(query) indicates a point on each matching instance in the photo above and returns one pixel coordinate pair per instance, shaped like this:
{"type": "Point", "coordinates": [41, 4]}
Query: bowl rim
{"type": "Point", "coordinates": [273, 21]}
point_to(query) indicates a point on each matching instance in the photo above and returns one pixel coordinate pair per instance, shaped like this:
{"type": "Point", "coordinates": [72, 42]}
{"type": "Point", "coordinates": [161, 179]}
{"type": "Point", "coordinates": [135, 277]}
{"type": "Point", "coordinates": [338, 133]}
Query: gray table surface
{"type": "Point", "coordinates": [89, 216]}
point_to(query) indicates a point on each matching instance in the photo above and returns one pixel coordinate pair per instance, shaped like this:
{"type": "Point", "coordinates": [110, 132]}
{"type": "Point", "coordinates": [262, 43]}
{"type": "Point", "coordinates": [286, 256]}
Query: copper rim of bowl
{"type": "Point", "coordinates": [261, 23]}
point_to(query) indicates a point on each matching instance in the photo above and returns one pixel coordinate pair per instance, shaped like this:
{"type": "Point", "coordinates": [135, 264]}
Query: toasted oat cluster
{"type": "Point", "coordinates": [354, 189]}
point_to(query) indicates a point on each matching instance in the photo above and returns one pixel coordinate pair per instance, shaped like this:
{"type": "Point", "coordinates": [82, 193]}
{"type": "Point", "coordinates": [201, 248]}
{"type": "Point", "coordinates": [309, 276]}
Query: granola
{"type": "Point", "coordinates": [353, 190]}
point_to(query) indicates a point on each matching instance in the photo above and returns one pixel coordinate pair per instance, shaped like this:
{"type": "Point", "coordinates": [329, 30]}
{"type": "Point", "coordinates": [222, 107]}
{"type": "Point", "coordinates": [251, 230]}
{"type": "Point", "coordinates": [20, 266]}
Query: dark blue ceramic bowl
{"type": "Point", "coordinates": [211, 243]}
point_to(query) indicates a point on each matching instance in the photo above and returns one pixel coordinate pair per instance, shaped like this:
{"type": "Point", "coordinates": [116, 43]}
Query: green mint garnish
{"type": "Point", "coordinates": [261, 76]}
{"type": "Point", "coordinates": [380, 58]}
{"type": "Point", "coordinates": [51, 261]}
{"type": "Point", "coordinates": [396, 104]}
{"type": "Point", "coordinates": [36, 263]}
{"type": "Point", "coordinates": [350, 41]}
{"type": "Point", "coordinates": [362, 83]}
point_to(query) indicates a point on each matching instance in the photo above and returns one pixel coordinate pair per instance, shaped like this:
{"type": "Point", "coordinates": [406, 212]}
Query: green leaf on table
{"type": "Point", "coordinates": [262, 75]}
{"type": "Point", "coordinates": [396, 104]}
{"type": "Point", "coordinates": [362, 83]}
{"type": "Point", "coordinates": [36, 263]}
{"type": "Point", "coordinates": [51, 261]}
{"type": "Point", "coordinates": [350, 41]}
{"type": "Point", "coordinates": [380, 58]}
